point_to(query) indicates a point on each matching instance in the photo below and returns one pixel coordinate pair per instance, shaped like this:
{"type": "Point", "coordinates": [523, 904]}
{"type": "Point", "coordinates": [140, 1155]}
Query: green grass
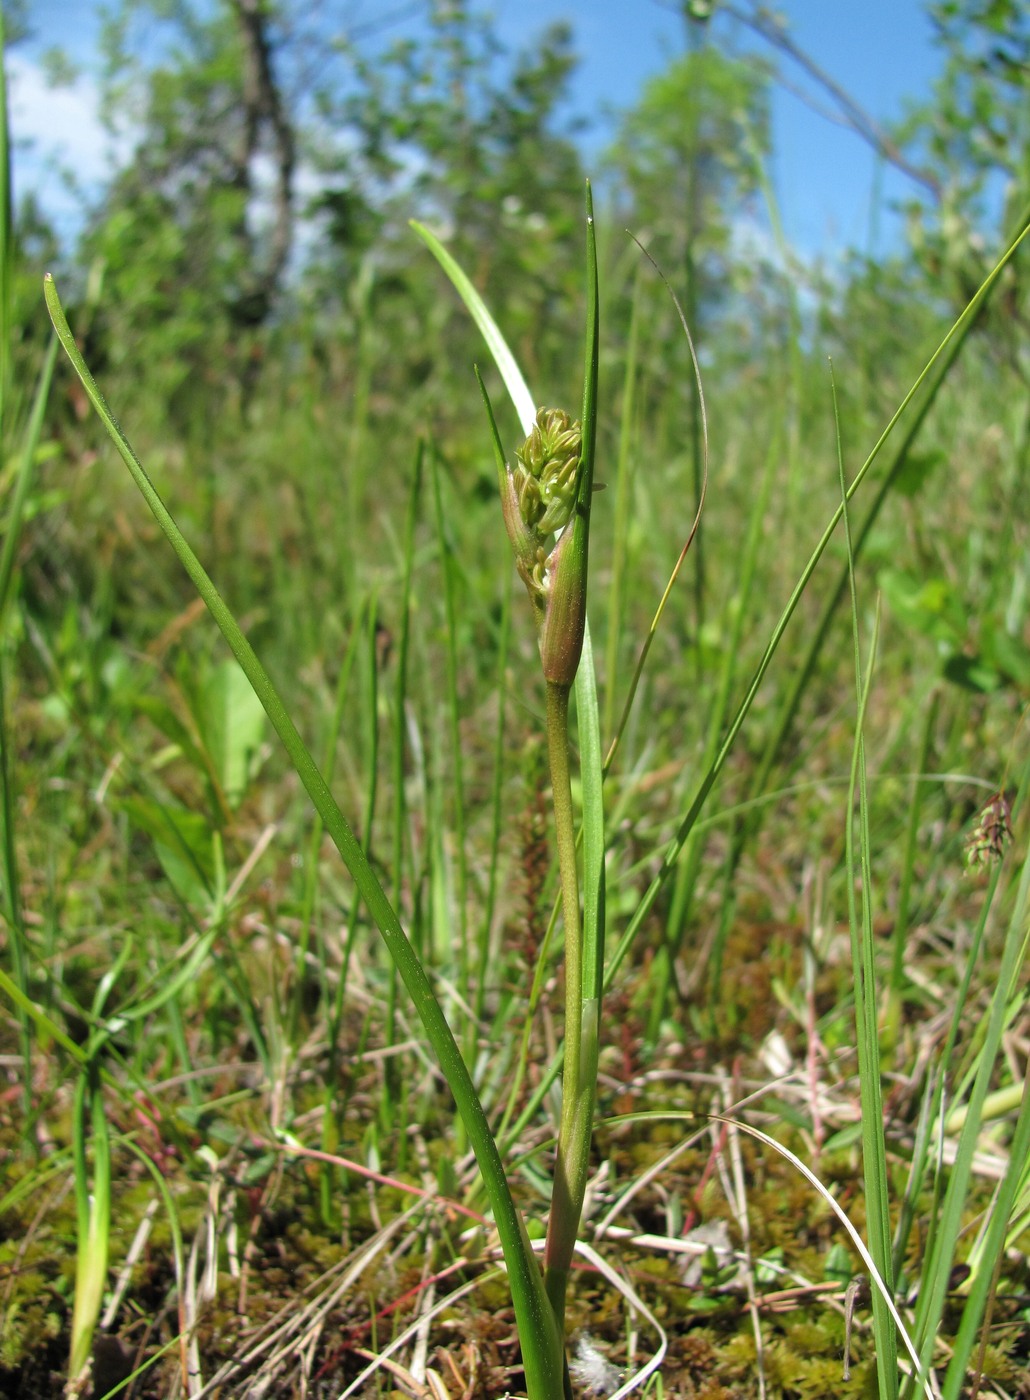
{"type": "Point", "coordinates": [227, 1137]}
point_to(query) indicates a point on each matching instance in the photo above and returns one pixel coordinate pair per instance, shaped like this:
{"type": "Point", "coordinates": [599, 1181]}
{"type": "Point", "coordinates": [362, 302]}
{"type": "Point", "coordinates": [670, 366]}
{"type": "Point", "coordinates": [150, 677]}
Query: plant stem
{"type": "Point", "coordinates": [580, 1039]}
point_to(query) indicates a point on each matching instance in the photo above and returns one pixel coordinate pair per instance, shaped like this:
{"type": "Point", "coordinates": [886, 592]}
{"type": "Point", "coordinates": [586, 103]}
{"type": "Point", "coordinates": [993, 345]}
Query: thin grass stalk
{"type": "Point", "coordinates": [509, 1133]}
{"type": "Point", "coordinates": [793, 379]}
{"type": "Point", "coordinates": [393, 1082]}
{"type": "Point", "coordinates": [496, 800]}
{"type": "Point", "coordinates": [309, 898]}
{"type": "Point", "coordinates": [178, 1254]}
{"type": "Point", "coordinates": [541, 1343]}
{"type": "Point", "coordinates": [863, 962]}
{"type": "Point", "coordinates": [371, 709]}
{"type": "Point", "coordinates": [400, 691]}
{"type": "Point", "coordinates": [17, 940]}
{"type": "Point", "coordinates": [358, 428]}
{"type": "Point", "coordinates": [457, 783]}
{"type": "Point", "coordinates": [620, 514]}
{"type": "Point", "coordinates": [23, 480]}
{"type": "Point", "coordinates": [905, 885]}
{"type": "Point", "coordinates": [93, 1212]}
{"type": "Point", "coordinates": [400, 694]}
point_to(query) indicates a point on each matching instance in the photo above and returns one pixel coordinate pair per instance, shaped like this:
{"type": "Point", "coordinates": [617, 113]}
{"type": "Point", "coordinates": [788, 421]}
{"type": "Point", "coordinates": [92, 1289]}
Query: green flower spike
{"type": "Point", "coordinates": [539, 498]}
{"type": "Point", "coordinates": [547, 475]}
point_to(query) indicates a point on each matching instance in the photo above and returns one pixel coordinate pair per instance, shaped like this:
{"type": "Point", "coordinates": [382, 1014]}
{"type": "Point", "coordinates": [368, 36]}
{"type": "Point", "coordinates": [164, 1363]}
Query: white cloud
{"type": "Point", "coordinates": [61, 150]}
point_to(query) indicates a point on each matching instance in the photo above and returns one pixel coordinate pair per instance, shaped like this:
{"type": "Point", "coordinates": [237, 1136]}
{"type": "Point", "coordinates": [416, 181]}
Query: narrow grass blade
{"type": "Point", "coordinates": [496, 798]}
{"type": "Point", "coordinates": [856, 1239]}
{"type": "Point", "coordinates": [446, 548]}
{"type": "Point", "coordinates": [16, 508]}
{"type": "Point", "coordinates": [620, 525]}
{"type": "Point", "coordinates": [985, 1278]}
{"type": "Point", "coordinates": [863, 962]}
{"type": "Point", "coordinates": [93, 1209]}
{"type": "Point", "coordinates": [905, 884]}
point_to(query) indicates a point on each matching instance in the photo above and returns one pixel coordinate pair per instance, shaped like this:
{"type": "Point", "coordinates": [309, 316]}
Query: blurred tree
{"type": "Point", "coordinates": [687, 160]}
{"type": "Point", "coordinates": [450, 128]}
{"type": "Point", "coordinates": [195, 232]}
{"type": "Point", "coordinates": [975, 134]}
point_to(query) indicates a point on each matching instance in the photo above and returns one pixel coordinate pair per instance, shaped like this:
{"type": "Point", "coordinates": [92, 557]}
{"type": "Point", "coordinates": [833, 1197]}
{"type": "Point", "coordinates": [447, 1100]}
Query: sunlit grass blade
{"type": "Point", "coordinates": [505, 361]}
{"type": "Point", "coordinates": [834, 1205]}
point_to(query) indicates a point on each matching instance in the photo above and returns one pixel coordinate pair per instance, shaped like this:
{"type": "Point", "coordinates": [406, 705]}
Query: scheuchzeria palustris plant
{"type": "Point", "coordinates": [547, 512]}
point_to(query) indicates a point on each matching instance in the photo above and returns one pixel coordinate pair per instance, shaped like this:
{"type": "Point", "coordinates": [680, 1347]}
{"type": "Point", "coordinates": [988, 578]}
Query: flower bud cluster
{"type": "Point", "coordinates": [546, 476]}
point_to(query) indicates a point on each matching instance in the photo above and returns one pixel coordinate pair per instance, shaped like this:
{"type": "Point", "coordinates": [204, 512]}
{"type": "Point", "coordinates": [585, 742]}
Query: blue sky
{"type": "Point", "coordinates": [825, 177]}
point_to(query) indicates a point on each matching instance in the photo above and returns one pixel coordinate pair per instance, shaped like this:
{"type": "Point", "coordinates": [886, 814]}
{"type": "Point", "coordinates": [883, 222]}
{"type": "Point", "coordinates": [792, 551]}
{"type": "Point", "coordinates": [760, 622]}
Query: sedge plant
{"type": "Point", "coordinates": [546, 508]}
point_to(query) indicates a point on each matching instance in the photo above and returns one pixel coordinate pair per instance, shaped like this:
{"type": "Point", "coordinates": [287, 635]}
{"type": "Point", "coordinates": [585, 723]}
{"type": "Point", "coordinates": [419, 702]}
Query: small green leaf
{"type": "Point", "coordinates": [838, 1267]}
{"type": "Point", "coordinates": [232, 723]}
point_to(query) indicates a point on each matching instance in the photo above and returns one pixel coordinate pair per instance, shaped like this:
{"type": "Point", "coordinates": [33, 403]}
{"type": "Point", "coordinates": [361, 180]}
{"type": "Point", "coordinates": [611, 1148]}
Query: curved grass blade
{"type": "Point", "coordinates": [856, 1238]}
{"type": "Point", "coordinates": [505, 361]}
